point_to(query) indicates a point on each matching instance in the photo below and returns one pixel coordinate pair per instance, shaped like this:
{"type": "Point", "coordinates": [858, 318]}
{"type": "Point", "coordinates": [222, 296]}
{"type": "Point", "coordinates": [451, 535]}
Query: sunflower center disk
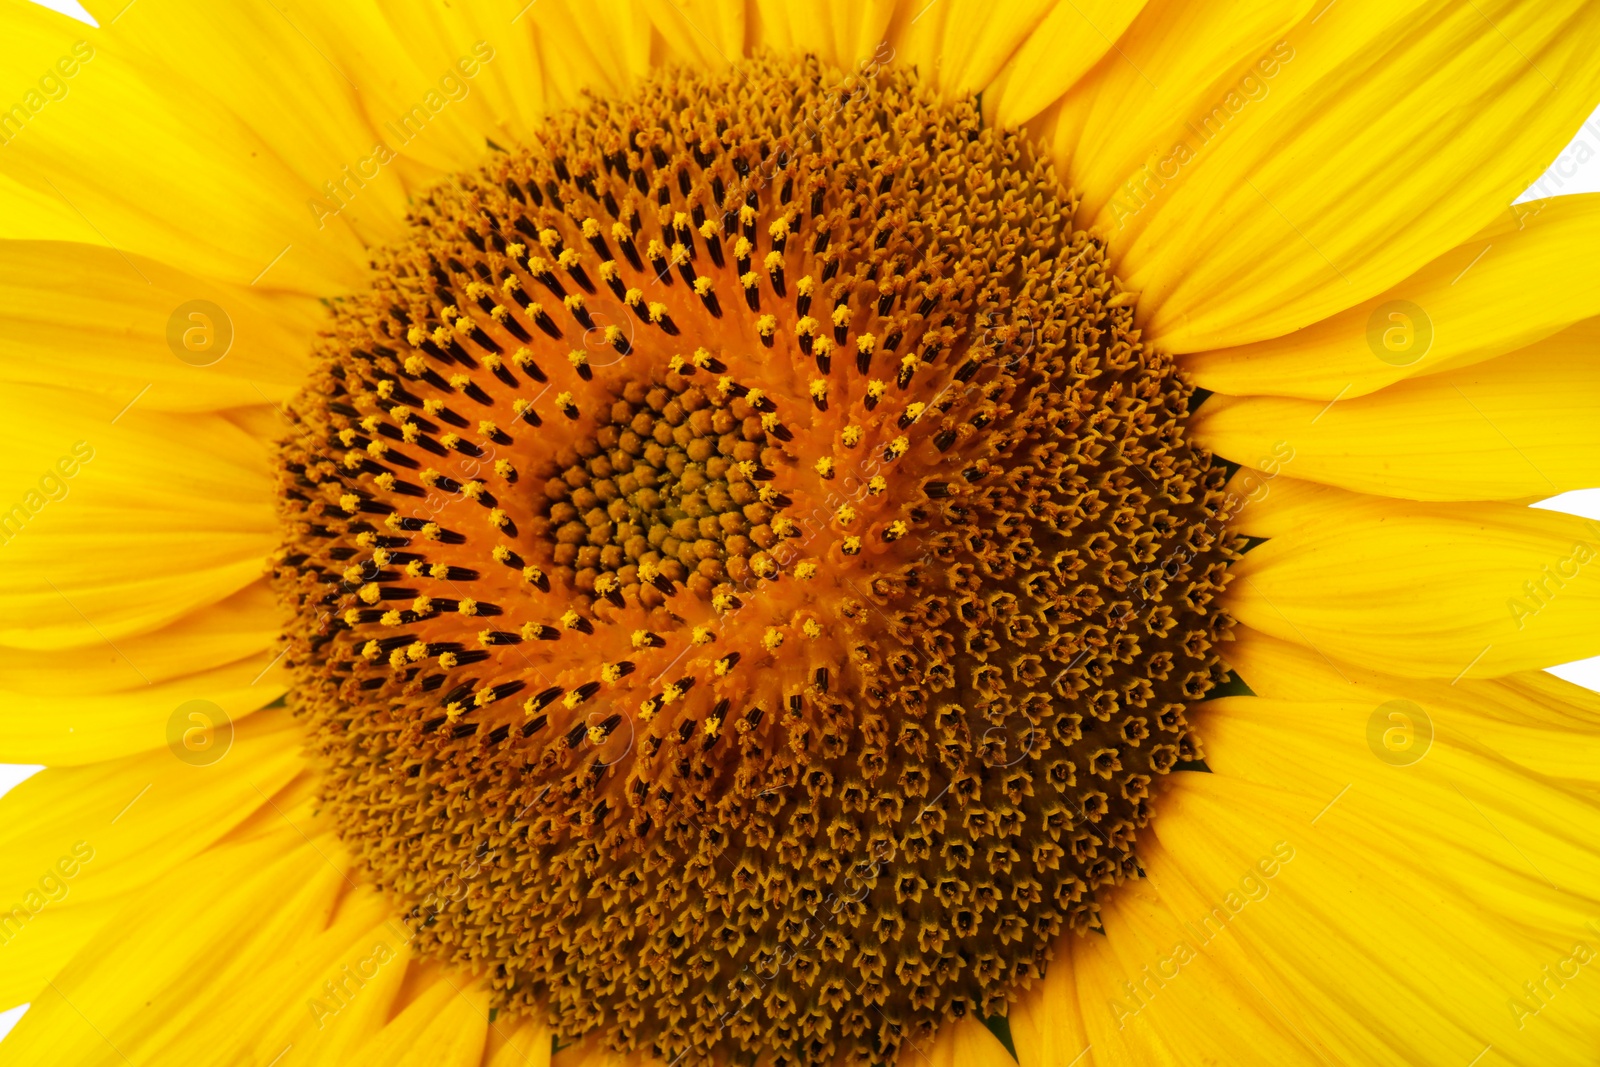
{"type": "Point", "coordinates": [746, 574]}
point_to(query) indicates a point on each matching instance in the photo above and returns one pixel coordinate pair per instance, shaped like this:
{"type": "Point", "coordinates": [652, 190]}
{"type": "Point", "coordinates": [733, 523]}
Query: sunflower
{"type": "Point", "coordinates": [799, 534]}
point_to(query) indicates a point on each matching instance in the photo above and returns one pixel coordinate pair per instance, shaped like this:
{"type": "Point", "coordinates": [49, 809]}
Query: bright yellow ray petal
{"type": "Point", "coordinates": [446, 1026]}
{"type": "Point", "coordinates": [1508, 286]}
{"type": "Point", "coordinates": [206, 926]}
{"type": "Point", "coordinates": [959, 1043]}
{"type": "Point", "coordinates": [79, 841]}
{"type": "Point", "coordinates": [177, 141]}
{"type": "Point", "coordinates": [313, 1001]}
{"type": "Point", "coordinates": [1524, 425]}
{"type": "Point", "coordinates": [1338, 934]}
{"type": "Point", "coordinates": [1532, 718]}
{"type": "Point", "coordinates": [1390, 137]}
{"type": "Point", "coordinates": [83, 705]}
{"type": "Point", "coordinates": [118, 528]}
{"type": "Point", "coordinates": [842, 32]}
{"type": "Point", "coordinates": [440, 81]}
{"type": "Point", "coordinates": [1046, 1027]}
{"type": "Point", "coordinates": [1072, 37]}
{"type": "Point", "coordinates": [517, 1043]}
{"type": "Point", "coordinates": [1150, 991]}
{"type": "Point", "coordinates": [1419, 590]}
{"type": "Point", "coordinates": [706, 33]}
{"type": "Point", "coordinates": [1442, 882]}
{"type": "Point", "coordinates": [119, 327]}
{"type": "Point", "coordinates": [958, 46]}
{"type": "Point", "coordinates": [38, 216]}
{"type": "Point", "coordinates": [1174, 61]}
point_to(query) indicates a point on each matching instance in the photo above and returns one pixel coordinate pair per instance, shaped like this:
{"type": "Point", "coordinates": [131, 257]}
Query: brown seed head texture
{"type": "Point", "coordinates": [746, 574]}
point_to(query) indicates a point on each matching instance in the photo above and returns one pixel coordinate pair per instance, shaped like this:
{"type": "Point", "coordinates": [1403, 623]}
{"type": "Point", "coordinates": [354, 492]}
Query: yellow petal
{"type": "Point", "coordinates": [322, 997]}
{"type": "Point", "coordinates": [518, 1043]}
{"type": "Point", "coordinates": [118, 327]}
{"type": "Point", "coordinates": [439, 81]}
{"type": "Point", "coordinates": [841, 32]}
{"type": "Point", "coordinates": [80, 841]}
{"type": "Point", "coordinates": [206, 926]}
{"type": "Point", "coordinates": [1148, 992]}
{"type": "Point", "coordinates": [1348, 901]}
{"type": "Point", "coordinates": [38, 216]}
{"type": "Point", "coordinates": [1420, 590]}
{"type": "Point", "coordinates": [959, 46]}
{"type": "Point", "coordinates": [1508, 286]}
{"type": "Point", "coordinates": [445, 1026]}
{"type": "Point", "coordinates": [82, 705]}
{"type": "Point", "coordinates": [1391, 136]}
{"type": "Point", "coordinates": [1520, 426]}
{"type": "Point", "coordinates": [1152, 90]}
{"type": "Point", "coordinates": [709, 33]}
{"type": "Point", "coordinates": [959, 1043]}
{"type": "Point", "coordinates": [200, 135]}
{"type": "Point", "coordinates": [114, 528]}
{"type": "Point", "coordinates": [1072, 37]}
{"type": "Point", "coordinates": [1458, 864]}
{"type": "Point", "coordinates": [1538, 721]}
{"type": "Point", "coordinates": [1046, 1025]}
